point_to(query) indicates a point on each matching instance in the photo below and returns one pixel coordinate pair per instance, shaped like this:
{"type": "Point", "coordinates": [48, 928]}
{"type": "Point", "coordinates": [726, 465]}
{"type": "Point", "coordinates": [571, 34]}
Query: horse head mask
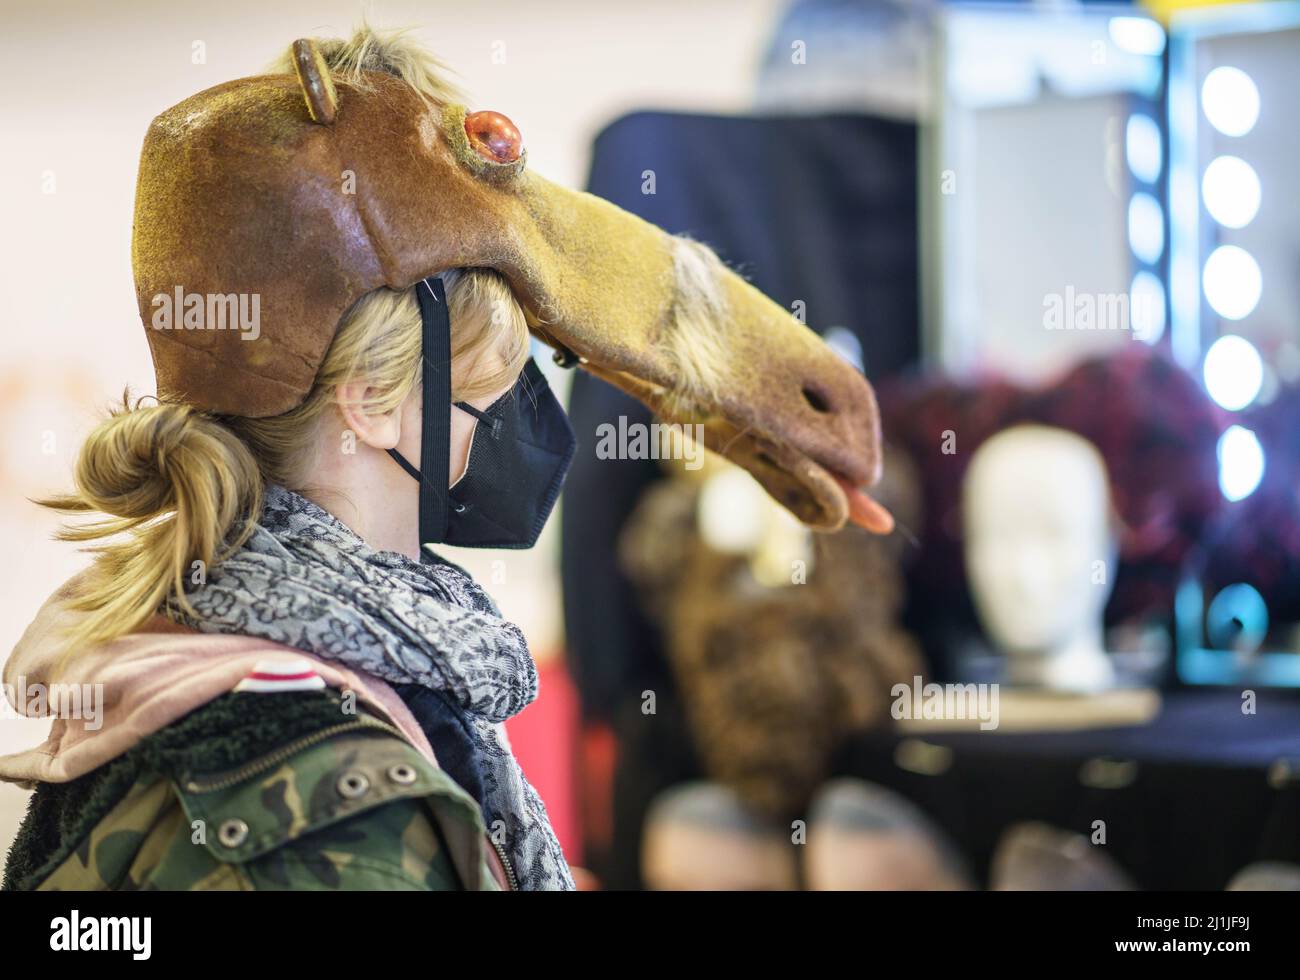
{"type": "Point", "coordinates": [307, 190]}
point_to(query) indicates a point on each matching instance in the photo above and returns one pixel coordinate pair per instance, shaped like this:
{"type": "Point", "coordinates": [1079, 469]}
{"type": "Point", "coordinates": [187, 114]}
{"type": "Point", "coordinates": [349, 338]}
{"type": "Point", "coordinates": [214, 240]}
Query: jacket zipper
{"type": "Point", "coordinates": [505, 863]}
{"type": "Point", "coordinates": [286, 751]}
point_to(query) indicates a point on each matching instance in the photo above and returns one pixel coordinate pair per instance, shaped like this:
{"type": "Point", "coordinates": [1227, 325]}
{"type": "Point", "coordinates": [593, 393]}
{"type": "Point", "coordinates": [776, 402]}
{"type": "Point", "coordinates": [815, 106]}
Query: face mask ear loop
{"type": "Point", "coordinates": [435, 425]}
{"type": "Point", "coordinates": [493, 424]}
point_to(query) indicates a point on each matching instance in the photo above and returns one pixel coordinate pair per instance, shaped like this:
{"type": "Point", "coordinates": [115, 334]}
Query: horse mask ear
{"type": "Point", "coordinates": [314, 77]}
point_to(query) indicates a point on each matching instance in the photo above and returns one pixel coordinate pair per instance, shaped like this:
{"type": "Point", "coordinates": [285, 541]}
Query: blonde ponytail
{"type": "Point", "coordinates": [181, 486]}
{"type": "Point", "coordinates": [178, 487]}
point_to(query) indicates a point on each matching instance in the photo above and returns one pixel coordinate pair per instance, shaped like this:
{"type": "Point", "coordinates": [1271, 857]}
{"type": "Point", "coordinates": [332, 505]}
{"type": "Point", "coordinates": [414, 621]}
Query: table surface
{"type": "Point", "coordinates": [1203, 800]}
{"type": "Point", "coordinates": [1195, 727]}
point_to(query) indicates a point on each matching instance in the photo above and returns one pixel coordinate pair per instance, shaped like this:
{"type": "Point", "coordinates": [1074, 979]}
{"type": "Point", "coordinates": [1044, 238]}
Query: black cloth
{"type": "Point", "coordinates": [449, 737]}
{"type": "Point", "coordinates": [1213, 789]}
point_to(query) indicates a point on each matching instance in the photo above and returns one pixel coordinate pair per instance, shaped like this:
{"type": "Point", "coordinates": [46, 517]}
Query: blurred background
{"type": "Point", "coordinates": [1059, 238]}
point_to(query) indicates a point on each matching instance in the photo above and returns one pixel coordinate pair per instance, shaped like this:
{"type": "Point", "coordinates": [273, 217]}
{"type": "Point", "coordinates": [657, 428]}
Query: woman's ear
{"type": "Point", "coordinates": [378, 430]}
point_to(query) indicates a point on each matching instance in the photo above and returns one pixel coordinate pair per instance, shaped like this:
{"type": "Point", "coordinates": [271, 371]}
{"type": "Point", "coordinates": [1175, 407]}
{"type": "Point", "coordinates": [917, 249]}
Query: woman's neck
{"type": "Point", "coordinates": [366, 490]}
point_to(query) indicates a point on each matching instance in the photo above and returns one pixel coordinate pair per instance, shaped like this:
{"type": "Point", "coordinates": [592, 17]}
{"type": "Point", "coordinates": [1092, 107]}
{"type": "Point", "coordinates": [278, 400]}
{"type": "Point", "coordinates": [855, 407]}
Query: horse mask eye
{"type": "Point", "coordinates": [493, 136]}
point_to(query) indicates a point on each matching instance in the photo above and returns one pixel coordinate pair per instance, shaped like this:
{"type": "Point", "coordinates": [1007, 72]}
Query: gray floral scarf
{"type": "Point", "coordinates": [306, 580]}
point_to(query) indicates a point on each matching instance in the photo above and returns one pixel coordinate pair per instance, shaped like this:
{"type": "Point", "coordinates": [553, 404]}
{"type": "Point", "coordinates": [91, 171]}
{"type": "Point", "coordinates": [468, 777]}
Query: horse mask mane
{"type": "Point", "coordinates": [305, 191]}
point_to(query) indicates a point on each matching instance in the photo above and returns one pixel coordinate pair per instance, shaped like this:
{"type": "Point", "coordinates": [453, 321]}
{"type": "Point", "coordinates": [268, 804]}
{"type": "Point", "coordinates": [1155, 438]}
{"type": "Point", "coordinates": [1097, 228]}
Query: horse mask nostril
{"type": "Point", "coordinates": [816, 399]}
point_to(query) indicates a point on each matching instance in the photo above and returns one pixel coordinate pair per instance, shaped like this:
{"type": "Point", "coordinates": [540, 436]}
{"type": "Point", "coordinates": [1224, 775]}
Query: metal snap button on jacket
{"type": "Point", "coordinates": [402, 774]}
{"type": "Point", "coordinates": [352, 785]}
{"type": "Point", "coordinates": [232, 833]}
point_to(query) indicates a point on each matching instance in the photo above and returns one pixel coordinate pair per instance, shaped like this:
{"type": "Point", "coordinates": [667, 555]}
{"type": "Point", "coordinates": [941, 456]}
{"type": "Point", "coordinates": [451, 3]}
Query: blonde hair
{"type": "Point", "coordinates": [179, 485]}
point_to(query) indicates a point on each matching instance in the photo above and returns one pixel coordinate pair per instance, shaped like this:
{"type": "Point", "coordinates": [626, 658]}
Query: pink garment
{"type": "Point", "coordinates": [150, 679]}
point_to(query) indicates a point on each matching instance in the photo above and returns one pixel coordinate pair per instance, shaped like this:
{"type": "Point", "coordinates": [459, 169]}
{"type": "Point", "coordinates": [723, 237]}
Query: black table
{"type": "Point", "coordinates": [1187, 799]}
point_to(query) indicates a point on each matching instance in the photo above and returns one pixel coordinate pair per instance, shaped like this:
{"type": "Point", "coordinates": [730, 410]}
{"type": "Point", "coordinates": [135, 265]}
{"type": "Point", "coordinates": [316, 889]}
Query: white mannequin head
{"type": "Point", "coordinates": [1040, 548]}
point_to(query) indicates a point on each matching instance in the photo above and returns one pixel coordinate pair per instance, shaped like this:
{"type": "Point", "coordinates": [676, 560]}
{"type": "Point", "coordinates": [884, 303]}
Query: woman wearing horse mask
{"type": "Point", "coordinates": [334, 568]}
{"type": "Point", "coordinates": [338, 270]}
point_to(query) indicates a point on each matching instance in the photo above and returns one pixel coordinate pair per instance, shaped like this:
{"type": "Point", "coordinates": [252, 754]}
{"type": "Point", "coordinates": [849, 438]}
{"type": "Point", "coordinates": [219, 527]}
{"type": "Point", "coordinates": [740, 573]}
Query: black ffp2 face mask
{"type": "Point", "coordinates": [520, 452]}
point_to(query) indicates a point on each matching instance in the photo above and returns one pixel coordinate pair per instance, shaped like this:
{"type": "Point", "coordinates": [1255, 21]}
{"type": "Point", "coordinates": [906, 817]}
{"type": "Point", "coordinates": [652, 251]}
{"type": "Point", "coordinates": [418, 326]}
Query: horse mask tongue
{"type": "Point", "coordinates": [289, 196]}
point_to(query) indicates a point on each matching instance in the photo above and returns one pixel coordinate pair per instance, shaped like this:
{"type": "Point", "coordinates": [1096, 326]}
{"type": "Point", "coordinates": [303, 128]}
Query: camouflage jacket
{"type": "Point", "coordinates": [256, 791]}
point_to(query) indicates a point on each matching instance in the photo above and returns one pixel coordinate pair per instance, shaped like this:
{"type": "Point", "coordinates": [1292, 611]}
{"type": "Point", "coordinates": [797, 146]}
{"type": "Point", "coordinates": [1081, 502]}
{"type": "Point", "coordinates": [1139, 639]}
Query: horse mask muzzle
{"type": "Point", "coordinates": [519, 454]}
